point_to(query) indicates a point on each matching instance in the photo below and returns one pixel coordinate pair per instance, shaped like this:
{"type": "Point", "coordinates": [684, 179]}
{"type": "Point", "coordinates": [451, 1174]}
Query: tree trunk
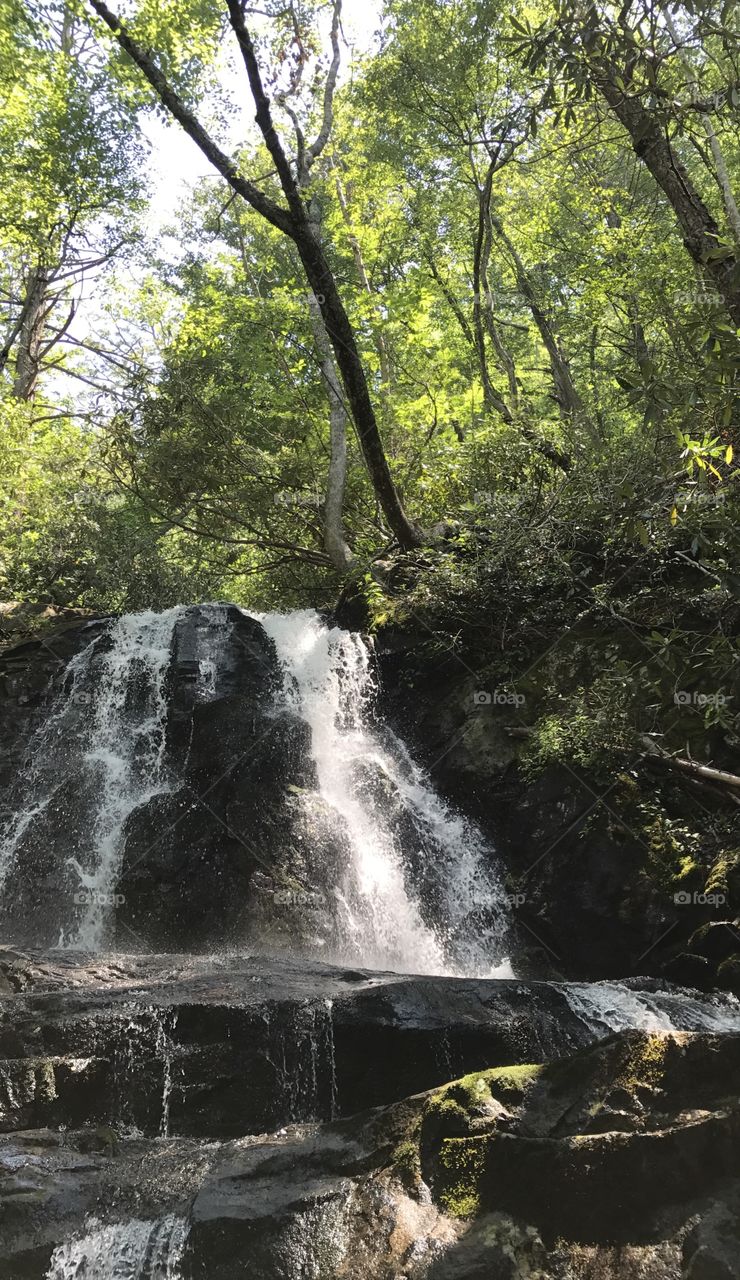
{"type": "Point", "coordinates": [335, 541]}
{"type": "Point", "coordinates": [491, 397]}
{"type": "Point", "coordinates": [31, 334]}
{"type": "Point", "coordinates": [571, 405]}
{"type": "Point", "coordinates": [503, 355]}
{"type": "Point", "coordinates": [721, 173]}
{"type": "Point", "coordinates": [700, 232]}
{"type": "Point", "coordinates": [342, 338]}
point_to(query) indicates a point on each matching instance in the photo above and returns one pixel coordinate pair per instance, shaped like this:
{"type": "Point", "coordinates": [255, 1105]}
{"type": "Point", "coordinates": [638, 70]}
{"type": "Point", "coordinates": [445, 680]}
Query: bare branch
{"type": "Point", "coordinates": [317, 146]}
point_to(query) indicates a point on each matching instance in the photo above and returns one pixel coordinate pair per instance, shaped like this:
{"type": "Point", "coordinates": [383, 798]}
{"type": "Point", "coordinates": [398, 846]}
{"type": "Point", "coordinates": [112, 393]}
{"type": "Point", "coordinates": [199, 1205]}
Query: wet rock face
{"type": "Point", "coordinates": [220, 1048]}
{"type": "Point", "coordinates": [188, 857]}
{"type": "Point", "coordinates": [36, 686]}
{"type": "Point", "coordinates": [30, 674]}
{"type": "Point", "coordinates": [552, 1151]}
{"type": "Point", "coordinates": [503, 1174]}
{"type": "Point", "coordinates": [191, 854]}
{"type": "Point", "coordinates": [624, 1154]}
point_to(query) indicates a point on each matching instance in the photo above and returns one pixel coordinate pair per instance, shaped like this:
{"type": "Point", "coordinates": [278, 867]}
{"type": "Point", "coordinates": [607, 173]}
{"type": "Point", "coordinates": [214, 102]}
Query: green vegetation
{"type": "Point", "coordinates": [461, 1163]}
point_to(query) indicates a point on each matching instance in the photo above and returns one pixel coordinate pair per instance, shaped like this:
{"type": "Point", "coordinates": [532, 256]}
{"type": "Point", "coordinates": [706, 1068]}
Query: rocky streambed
{"type": "Point", "coordinates": [250, 1116]}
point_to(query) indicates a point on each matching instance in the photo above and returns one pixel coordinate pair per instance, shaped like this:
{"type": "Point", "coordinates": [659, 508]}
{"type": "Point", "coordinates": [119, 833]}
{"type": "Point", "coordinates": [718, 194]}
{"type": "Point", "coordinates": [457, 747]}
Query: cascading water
{"type": "Point", "coordinates": [126, 753]}
{"type": "Point", "coordinates": [42, 775]}
{"type": "Point", "coordinates": [412, 886]}
{"type": "Point", "coordinates": [424, 902]}
{"type": "Point", "coordinates": [132, 1250]}
{"type": "Point", "coordinates": [618, 1006]}
{"type": "Point", "coordinates": [104, 740]}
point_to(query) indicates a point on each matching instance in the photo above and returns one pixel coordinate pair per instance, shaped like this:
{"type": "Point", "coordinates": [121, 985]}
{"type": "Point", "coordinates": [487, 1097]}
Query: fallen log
{"type": "Point", "coordinates": [718, 778]}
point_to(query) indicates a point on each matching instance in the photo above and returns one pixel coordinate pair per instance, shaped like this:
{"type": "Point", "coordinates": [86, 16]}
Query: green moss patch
{"type": "Point", "coordinates": [461, 1163]}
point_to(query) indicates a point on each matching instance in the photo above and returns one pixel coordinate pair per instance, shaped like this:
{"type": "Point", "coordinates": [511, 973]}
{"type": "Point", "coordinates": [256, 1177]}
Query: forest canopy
{"type": "Point", "coordinates": [456, 284]}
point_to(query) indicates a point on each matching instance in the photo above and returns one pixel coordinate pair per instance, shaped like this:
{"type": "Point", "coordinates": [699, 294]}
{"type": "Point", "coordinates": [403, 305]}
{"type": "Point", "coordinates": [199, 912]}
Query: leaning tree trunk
{"type": "Point", "coordinates": [293, 221]}
{"type": "Point", "coordinates": [342, 338]}
{"type": "Point", "coordinates": [491, 397]}
{"type": "Point", "coordinates": [701, 234]}
{"type": "Point", "coordinates": [335, 541]}
{"type": "Point", "coordinates": [720, 164]}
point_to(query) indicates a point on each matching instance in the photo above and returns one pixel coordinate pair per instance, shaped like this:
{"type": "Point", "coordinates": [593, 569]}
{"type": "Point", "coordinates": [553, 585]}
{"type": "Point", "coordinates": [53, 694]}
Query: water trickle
{"type": "Point", "coordinates": [332, 1060]}
{"type": "Point", "coordinates": [418, 892]}
{"type": "Point", "coordinates": [165, 1030]}
{"type": "Point", "coordinates": [132, 1250]}
{"type": "Point", "coordinates": [141, 1046]}
{"type": "Point", "coordinates": [212, 639]}
{"type": "Point", "coordinates": [299, 1047]}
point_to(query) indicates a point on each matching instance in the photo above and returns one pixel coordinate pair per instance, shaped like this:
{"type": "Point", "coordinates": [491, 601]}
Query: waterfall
{"type": "Point", "coordinates": [408, 885]}
{"type": "Point", "coordinates": [419, 893]}
{"type": "Point", "coordinates": [126, 754]}
{"type": "Point", "coordinates": [97, 757]}
{"type": "Point", "coordinates": [42, 775]}
{"type": "Point", "coordinates": [132, 1250]}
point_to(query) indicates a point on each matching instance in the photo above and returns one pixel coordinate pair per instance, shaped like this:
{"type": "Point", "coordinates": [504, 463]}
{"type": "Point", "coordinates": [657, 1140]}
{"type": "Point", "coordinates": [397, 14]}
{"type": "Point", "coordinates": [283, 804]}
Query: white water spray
{"type": "Point", "coordinates": [126, 753]}
{"type": "Point", "coordinates": [42, 776]}
{"type": "Point", "coordinates": [133, 1250]}
{"type": "Point", "coordinates": [383, 918]}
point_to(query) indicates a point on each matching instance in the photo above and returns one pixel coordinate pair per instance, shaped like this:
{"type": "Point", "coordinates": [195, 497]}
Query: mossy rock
{"type": "Point", "coordinates": [406, 1164]}
{"type": "Point", "coordinates": [461, 1162]}
{"type": "Point", "coordinates": [509, 1084]}
{"type": "Point", "coordinates": [444, 1116]}
{"type": "Point", "coordinates": [474, 1103]}
{"type": "Point", "coordinates": [103, 1139]}
{"type": "Point", "coordinates": [724, 877]}
{"type": "Point", "coordinates": [476, 1093]}
{"type": "Point", "coordinates": [716, 941]}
